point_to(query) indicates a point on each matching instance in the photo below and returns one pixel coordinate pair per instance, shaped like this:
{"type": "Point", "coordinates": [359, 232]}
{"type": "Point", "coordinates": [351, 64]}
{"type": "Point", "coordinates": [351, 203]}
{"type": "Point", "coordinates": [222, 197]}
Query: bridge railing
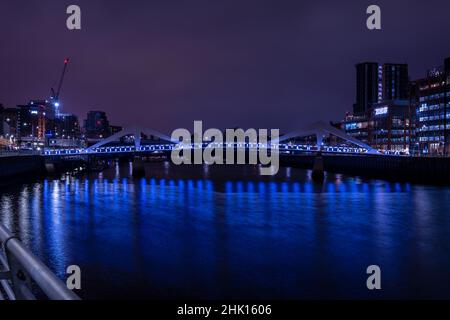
{"type": "Point", "coordinates": [21, 270]}
{"type": "Point", "coordinates": [284, 147]}
{"type": "Point", "coordinates": [12, 153]}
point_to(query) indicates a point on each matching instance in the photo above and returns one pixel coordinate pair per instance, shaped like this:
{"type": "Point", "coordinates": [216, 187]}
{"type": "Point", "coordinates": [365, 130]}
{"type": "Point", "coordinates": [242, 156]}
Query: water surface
{"type": "Point", "coordinates": [226, 232]}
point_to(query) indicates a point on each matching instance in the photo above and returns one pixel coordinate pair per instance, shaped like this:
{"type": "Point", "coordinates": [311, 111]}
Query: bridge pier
{"type": "Point", "coordinates": [318, 173]}
{"type": "Point", "coordinates": [138, 167]}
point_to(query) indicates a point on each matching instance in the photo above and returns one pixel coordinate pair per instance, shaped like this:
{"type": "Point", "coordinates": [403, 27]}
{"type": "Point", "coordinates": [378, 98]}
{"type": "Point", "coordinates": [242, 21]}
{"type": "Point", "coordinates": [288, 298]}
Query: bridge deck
{"type": "Point", "coordinates": [170, 147]}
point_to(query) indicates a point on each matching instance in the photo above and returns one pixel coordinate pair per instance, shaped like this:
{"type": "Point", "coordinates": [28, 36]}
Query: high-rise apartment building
{"type": "Point", "coordinates": [367, 81]}
{"type": "Point", "coordinates": [394, 82]}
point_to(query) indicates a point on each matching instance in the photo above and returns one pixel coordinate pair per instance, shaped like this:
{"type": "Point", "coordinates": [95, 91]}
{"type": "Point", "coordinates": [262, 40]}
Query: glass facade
{"type": "Point", "coordinates": [433, 113]}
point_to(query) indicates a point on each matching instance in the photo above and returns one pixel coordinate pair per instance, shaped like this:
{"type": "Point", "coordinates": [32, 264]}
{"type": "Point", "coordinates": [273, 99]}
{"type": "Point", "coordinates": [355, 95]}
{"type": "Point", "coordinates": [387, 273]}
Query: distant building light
{"type": "Point", "coordinates": [33, 112]}
{"type": "Point", "coordinates": [381, 111]}
{"type": "Point", "coordinates": [57, 104]}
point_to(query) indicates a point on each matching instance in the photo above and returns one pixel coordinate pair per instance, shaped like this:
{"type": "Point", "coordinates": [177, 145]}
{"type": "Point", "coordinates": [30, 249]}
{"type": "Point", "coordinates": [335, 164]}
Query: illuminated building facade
{"type": "Point", "coordinates": [431, 101]}
{"type": "Point", "coordinates": [358, 127]}
{"type": "Point", "coordinates": [32, 121]}
{"type": "Point", "coordinates": [392, 126]}
{"type": "Point", "coordinates": [376, 83]}
{"type": "Point", "coordinates": [9, 126]}
{"type": "Point", "coordinates": [68, 127]}
{"type": "Point", "coordinates": [382, 115]}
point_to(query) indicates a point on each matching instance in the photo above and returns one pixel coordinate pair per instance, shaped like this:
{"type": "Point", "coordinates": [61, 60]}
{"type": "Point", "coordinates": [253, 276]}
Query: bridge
{"type": "Point", "coordinates": [160, 142]}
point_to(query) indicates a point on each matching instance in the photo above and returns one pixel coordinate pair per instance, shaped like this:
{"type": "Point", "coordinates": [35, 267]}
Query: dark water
{"type": "Point", "coordinates": [226, 232]}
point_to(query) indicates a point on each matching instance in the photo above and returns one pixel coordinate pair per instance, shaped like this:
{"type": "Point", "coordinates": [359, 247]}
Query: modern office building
{"type": "Point", "coordinates": [381, 115]}
{"type": "Point", "coordinates": [67, 132]}
{"type": "Point", "coordinates": [358, 127]}
{"type": "Point", "coordinates": [392, 126]}
{"type": "Point", "coordinates": [96, 125]}
{"type": "Point", "coordinates": [9, 123]}
{"type": "Point", "coordinates": [32, 121]}
{"type": "Point", "coordinates": [68, 126]}
{"type": "Point", "coordinates": [376, 83]}
{"type": "Point", "coordinates": [432, 103]}
{"type": "Point", "coordinates": [36, 120]}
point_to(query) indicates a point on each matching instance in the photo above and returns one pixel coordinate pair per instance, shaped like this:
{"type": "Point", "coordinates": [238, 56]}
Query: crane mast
{"type": "Point", "coordinates": [55, 95]}
{"type": "Point", "coordinates": [66, 62]}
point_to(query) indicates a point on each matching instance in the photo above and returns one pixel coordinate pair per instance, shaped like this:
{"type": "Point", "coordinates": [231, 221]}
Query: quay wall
{"type": "Point", "coordinates": [13, 166]}
{"type": "Point", "coordinates": [421, 169]}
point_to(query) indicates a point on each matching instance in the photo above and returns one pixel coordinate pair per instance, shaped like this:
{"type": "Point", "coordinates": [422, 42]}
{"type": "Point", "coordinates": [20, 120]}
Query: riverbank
{"type": "Point", "coordinates": [393, 168]}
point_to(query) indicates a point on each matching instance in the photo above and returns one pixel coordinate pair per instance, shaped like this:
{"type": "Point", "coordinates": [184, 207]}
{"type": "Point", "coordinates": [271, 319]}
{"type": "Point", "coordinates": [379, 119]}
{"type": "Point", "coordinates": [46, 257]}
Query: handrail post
{"type": "Point", "coordinates": [24, 267]}
{"type": "Point", "coordinates": [20, 280]}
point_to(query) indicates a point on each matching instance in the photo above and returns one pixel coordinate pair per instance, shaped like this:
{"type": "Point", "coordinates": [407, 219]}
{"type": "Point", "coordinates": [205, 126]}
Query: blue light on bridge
{"type": "Point", "coordinates": [289, 148]}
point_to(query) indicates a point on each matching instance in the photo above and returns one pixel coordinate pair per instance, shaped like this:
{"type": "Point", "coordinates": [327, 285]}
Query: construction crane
{"type": "Point", "coordinates": [55, 95]}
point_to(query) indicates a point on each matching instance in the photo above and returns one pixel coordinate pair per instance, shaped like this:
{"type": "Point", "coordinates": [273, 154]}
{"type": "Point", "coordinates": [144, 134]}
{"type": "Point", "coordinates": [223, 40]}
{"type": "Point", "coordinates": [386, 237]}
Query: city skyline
{"type": "Point", "coordinates": [224, 158]}
{"type": "Point", "coordinates": [391, 113]}
{"type": "Point", "coordinates": [227, 76]}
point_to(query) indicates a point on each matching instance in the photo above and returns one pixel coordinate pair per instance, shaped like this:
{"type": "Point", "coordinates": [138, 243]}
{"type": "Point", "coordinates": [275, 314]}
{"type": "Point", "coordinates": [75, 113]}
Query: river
{"type": "Point", "coordinates": [199, 232]}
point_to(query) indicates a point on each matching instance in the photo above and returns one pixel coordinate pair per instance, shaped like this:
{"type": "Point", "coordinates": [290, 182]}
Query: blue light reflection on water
{"type": "Point", "coordinates": [236, 235]}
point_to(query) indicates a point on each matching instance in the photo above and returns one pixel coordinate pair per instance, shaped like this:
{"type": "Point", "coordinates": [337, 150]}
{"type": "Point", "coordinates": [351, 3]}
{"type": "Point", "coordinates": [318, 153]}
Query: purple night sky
{"type": "Point", "coordinates": [247, 63]}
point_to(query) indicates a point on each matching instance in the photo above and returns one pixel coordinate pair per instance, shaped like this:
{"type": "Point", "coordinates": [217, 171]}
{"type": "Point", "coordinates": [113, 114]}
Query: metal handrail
{"type": "Point", "coordinates": [15, 153]}
{"type": "Point", "coordinates": [19, 266]}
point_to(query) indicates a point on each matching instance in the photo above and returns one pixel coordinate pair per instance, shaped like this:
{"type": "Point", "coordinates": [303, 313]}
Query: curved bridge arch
{"type": "Point", "coordinates": [136, 132]}
{"type": "Point", "coordinates": [320, 129]}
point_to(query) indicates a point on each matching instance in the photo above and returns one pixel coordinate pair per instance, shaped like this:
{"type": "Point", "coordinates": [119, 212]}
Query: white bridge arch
{"type": "Point", "coordinates": [132, 131]}
{"type": "Point", "coordinates": [285, 143]}
{"type": "Point", "coordinates": [317, 129]}
{"type": "Point", "coordinates": [321, 129]}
